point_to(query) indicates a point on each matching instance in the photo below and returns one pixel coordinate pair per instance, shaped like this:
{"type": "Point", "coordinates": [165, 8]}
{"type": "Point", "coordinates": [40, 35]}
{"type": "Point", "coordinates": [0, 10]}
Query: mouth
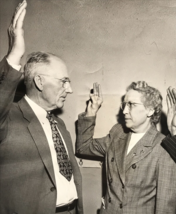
{"type": "Point", "coordinates": [63, 98]}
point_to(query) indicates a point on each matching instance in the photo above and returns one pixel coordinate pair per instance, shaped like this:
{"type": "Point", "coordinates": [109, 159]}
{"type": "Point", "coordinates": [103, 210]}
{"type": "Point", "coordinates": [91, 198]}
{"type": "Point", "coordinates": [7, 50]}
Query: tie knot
{"type": "Point", "coordinates": [48, 115]}
{"type": "Point", "coordinates": [50, 118]}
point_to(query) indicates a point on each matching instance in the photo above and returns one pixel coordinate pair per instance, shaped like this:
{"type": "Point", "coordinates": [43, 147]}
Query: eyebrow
{"type": "Point", "coordinates": [66, 79]}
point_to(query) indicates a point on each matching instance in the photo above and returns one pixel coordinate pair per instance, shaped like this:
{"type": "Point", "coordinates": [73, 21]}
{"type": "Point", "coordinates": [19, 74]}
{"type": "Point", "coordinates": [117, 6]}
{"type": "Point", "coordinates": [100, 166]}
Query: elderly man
{"type": "Point", "coordinates": [38, 170]}
{"type": "Point", "coordinates": [140, 174]}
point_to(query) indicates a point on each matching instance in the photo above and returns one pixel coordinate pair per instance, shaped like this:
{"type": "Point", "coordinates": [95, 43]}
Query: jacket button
{"type": "Point", "coordinates": [121, 205]}
{"type": "Point", "coordinates": [134, 166]}
{"type": "Point", "coordinates": [112, 160]}
{"type": "Point", "coordinates": [110, 200]}
{"type": "Point", "coordinates": [110, 180]}
{"type": "Point", "coordinates": [52, 189]}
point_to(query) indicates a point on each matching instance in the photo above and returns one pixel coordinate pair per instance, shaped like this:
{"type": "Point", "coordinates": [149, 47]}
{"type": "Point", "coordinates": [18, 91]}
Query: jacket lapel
{"type": "Point", "coordinates": [142, 148]}
{"type": "Point", "coordinates": [38, 136]}
{"type": "Point", "coordinates": [120, 153]}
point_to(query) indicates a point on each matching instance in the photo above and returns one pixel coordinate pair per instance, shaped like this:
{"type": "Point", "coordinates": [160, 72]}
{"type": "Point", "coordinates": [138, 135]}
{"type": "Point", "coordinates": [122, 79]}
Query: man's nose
{"type": "Point", "coordinates": [69, 89]}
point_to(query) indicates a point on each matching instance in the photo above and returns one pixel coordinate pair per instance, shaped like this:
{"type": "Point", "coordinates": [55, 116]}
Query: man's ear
{"type": "Point", "coordinates": [150, 112]}
{"type": "Point", "coordinates": [38, 81]}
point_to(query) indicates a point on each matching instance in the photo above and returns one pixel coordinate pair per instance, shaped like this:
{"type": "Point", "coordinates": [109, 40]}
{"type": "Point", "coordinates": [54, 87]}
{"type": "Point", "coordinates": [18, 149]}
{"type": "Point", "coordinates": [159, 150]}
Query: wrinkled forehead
{"type": "Point", "coordinates": [133, 96]}
{"type": "Point", "coordinates": [57, 68]}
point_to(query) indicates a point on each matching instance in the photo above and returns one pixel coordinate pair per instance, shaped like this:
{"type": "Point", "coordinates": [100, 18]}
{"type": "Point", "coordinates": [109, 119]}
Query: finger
{"type": "Point", "coordinates": [97, 88]}
{"type": "Point", "coordinates": [18, 12]}
{"type": "Point", "coordinates": [89, 104]}
{"type": "Point", "coordinates": [100, 92]}
{"type": "Point", "coordinates": [93, 98]}
{"type": "Point", "coordinates": [168, 101]}
{"type": "Point", "coordinates": [174, 94]}
{"type": "Point", "coordinates": [170, 95]}
{"type": "Point", "coordinates": [95, 91]}
{"type": "Point", "coordinates": [20, 20]}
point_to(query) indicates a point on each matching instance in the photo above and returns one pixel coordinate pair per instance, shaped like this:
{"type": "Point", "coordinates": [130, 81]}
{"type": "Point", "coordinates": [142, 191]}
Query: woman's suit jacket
{"type": "Point", "coordinates": [27, 182]}
{"type": "Point", "coordinates": [142, 182]}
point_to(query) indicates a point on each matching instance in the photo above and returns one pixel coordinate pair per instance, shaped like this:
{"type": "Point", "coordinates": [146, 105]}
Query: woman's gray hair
{"type": "Point", "coordinates": [151, 98]}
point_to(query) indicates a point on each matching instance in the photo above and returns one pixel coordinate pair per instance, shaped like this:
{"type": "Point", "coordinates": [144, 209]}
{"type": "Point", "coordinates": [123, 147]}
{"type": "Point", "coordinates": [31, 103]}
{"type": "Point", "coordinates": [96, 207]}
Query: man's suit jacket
{"type": "Point", "coordinates": [169, 143]}
{"type": "Point", "coordinates": [27, 181]}
{"type": "Point", "coordinates": [142, 182]}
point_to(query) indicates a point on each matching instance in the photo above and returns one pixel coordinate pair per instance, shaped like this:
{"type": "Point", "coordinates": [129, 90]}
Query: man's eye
{"type": "Point", "coordinates": [66, 81]}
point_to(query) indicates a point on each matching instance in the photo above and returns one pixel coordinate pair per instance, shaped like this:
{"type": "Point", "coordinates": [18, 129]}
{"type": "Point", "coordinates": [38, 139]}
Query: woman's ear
{"type": "Point", "coordinates": [38, 81]}
{"type": "Point", "coordinates": [150, 112]}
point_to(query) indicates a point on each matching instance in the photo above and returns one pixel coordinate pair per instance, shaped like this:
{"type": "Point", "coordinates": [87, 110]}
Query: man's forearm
{"type": "Point", "coordinates": [9, 79]}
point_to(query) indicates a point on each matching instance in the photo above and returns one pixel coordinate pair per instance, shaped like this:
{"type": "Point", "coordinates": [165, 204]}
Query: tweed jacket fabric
{"type": "Point", "coordinates": [169, 144]}
{"type": "Point", "coordinates": [142, 182]}
{"type": "Point", "coordinates": [27, 181]}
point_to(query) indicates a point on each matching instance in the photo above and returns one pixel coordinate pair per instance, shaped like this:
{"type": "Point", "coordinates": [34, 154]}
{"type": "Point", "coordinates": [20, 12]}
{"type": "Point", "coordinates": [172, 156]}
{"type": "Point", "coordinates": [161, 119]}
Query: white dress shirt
{"type": "Point", "coordinates": [16, 67]}
{"type": "Point", "coordinates": [135, 137]}
{"type": "Point", "coordinates": [66, 190]}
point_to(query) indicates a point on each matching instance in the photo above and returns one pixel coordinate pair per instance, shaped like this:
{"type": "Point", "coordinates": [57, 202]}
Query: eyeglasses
{"type": "Point", "coordinates": [65, 81]}
{"type": "Point", "coordinates": [130, 105]}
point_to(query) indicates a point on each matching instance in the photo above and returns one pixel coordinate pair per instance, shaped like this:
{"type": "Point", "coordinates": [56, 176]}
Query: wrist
{"type": "Point", "coordinates": [90, 114]}
{"type": "Point", "coordinates": [14, 59]}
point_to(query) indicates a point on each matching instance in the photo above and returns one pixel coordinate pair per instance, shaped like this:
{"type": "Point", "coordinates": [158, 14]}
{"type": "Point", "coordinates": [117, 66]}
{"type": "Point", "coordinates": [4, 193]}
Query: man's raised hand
{"type": "Point", "coordinates": [171, 110]}
{"type": "Point", "coordinates": [16, 34]}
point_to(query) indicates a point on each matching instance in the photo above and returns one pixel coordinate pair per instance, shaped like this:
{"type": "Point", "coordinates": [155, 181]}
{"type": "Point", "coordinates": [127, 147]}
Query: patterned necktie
{"type": "Point", "coordinates": [65, 167]}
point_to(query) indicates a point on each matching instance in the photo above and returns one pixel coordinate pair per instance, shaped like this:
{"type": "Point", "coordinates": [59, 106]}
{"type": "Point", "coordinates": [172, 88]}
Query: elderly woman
{"type": "Point", "coordinates": [141, 176]}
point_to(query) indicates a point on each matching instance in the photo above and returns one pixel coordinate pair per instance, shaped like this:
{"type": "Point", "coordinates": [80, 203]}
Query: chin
{"type": "Point", "coordinates": [60, 105]}
{"type": "Point", "coordinates": [128, 125]}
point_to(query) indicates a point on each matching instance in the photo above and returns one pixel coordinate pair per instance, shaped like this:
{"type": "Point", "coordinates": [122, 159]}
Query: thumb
{"type": "Point", "coordinates": [89, 104]}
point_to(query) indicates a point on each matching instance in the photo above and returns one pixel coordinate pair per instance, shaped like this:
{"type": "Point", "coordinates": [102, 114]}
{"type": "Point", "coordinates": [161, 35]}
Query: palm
{"type": "Point", "coordinates": [171, 119]}
{"type": "Point", "coordinates": [16, 34]}
{"type": "Point", "coordinates": [171, 113]}
{"type": "Point", "coordinates": [95, 100]}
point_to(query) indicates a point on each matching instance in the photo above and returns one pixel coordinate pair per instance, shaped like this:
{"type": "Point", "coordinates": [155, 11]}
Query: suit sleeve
{"type": "Point", "coordinates": [86, 144]}
{"type": "Point", "coordinates": [169, 144]}
{"type": "Point", "coordinates": [166, 185]}
{"type": "Point", "coordinates": [9, 79]}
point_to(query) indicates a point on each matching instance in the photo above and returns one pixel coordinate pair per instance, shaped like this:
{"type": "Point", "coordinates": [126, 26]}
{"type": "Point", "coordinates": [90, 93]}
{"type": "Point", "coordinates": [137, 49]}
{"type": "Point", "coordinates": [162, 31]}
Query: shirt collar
{"type": "Point", "coordinates": [39, 111]}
